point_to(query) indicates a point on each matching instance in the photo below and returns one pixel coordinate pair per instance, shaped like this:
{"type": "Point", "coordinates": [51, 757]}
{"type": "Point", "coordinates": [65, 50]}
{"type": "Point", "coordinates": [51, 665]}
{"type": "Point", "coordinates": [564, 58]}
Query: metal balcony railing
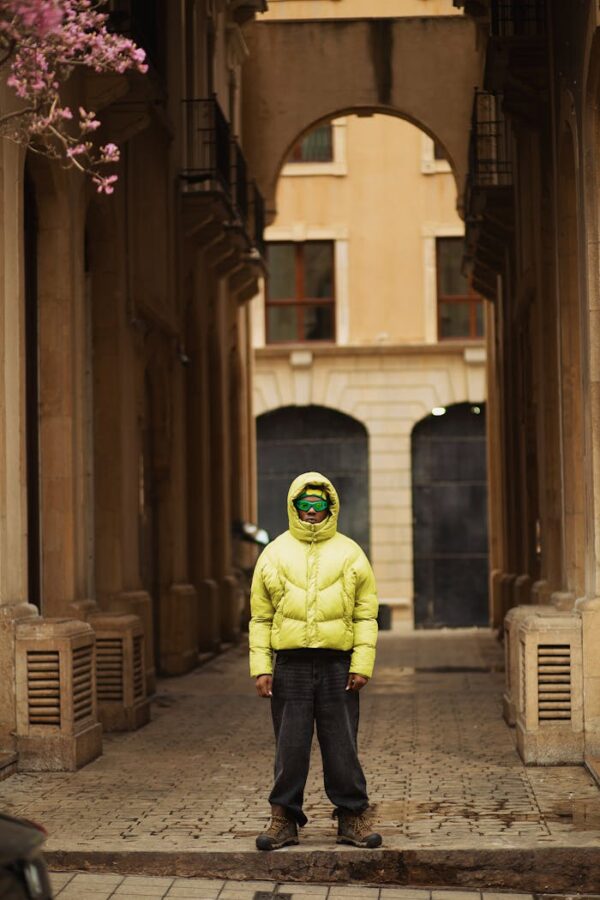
{"type": "Point", "coordinates": [257, 204]}
{"type": "Point", "coordinates": [518, 18]}
{"type": "Point", "coordinates": [240, 184]}
{"type": "Point", "coordinates": [489, 147]}
{"type": "Point", "coordinates": [207, 145]}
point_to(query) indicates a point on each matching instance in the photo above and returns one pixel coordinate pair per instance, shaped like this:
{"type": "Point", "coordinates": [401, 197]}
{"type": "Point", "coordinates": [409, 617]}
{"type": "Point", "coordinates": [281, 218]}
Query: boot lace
{"type": "Point", "coordinates": [361, 823]}
{"type": "Point", "coordinates": [277, 825]}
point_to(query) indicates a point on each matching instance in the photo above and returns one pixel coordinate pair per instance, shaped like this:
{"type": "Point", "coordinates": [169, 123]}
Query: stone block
{"type": "Point", "coordinates": [57, 723]}
{"type": "Point", "coordinates": [123, 704]}
{"type": "Point", "coordinates": [179, 630]}
{"type": "Point", "coordinates": [512, 623]}
{"type": "Point", "coordinates": [589, 610]}
{"type": "Point", "coordinates": [550, 710]}
{"type": "Point", "coordinates": [139, 603]}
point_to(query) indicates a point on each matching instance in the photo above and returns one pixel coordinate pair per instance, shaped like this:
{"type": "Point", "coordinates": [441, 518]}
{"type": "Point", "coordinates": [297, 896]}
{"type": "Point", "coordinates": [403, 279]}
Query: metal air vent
{"type": "Point", "coordinates": [554, 682]}
{"type": "Point", "coordinates": [83, 683]}
{"type": "Point", "coordinates": [43, 687]}
{"type": "Point", "coordinates": [109, 668]}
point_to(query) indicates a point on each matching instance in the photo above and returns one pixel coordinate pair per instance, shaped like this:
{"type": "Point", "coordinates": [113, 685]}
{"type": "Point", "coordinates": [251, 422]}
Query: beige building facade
{"type": "Point", "coordinates": [387, 201]}
{"type": "Point", "coordinates": [126, 442]}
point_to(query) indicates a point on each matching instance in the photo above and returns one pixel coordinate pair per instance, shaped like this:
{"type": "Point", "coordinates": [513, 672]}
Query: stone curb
{"type": "Point", "coordinates": [538, 870]}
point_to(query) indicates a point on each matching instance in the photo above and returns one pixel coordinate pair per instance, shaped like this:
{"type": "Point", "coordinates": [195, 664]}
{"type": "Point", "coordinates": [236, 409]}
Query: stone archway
{"type": "Point", "coordinates": [296, 439]}
{"type": "Point", "coordinates": [300, 73]}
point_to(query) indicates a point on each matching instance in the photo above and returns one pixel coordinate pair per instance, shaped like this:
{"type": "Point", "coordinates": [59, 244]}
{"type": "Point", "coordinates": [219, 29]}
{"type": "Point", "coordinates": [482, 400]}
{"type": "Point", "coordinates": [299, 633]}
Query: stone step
{"type": "Point", "coordinates": [557, 870]}
{"type": "Point", "coordinates": [8, 764]}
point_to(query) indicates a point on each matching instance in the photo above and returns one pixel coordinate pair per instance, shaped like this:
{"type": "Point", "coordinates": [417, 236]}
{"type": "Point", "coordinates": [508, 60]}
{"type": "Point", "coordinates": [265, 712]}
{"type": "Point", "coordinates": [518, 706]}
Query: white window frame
{"type": "Point", "coordinates": [339, 236]}
{"type": "Point", "coordinates": [429, 164]}
{"type": "Point", "coordinates": [337, 167]}
{"type": "Point", "coordinates": [430, 232]}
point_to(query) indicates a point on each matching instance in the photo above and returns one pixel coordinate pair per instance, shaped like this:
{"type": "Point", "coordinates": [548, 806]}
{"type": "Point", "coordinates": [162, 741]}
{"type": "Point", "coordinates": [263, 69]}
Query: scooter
{"type": "Point", "coordinates": [23, 871]}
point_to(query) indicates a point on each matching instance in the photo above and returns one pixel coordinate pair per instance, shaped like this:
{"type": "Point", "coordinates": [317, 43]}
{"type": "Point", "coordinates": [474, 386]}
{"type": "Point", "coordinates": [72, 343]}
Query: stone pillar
{"type": "Point", "coordinates": [200, 459]}
{"type": "Point", "coordinates": [521, 590]}
{"type": "Point", "coordinates": [589, 611]}
{"type": "Point", "coordinates": [62, 360]}
{"type": "Point", "coordinates": [14, 607]}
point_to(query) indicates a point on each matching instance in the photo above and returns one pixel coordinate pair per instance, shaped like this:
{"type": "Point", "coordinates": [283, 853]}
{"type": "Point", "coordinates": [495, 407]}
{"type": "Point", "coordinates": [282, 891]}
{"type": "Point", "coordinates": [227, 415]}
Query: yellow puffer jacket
{"type": "Point", "coordinates": [313, 587]}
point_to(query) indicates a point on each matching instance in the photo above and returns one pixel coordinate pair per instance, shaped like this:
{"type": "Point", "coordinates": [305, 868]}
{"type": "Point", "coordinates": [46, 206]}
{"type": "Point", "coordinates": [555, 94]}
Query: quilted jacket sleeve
{"type": "Point", "coordinates": [364, 619]}
{"type": "Point", "coordinates": [262, 612]}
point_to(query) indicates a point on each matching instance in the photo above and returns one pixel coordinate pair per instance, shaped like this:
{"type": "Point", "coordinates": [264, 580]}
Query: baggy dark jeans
{"type": "Point", "coordinates": [310, 686]}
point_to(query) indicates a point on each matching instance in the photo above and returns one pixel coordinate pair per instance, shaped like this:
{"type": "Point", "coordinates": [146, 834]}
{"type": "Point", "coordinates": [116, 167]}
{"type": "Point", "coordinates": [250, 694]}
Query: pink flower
{"type": "Point", "coordinates": [44, 40]}
{"type": "Point", "coordinates": [104, 184]}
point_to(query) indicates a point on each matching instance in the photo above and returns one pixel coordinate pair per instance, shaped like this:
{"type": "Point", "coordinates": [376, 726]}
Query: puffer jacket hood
{"type": "Point", "coordinates": [313, 587]}
{"type": "Point", "coordinates": [304, 531]}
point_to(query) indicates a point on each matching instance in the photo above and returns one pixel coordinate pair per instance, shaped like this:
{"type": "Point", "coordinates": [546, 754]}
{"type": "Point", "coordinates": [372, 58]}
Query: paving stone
{"type": "Point", "coordinates": [441, 765]}
{"type": "Point", "coordinates": [341, 892]}
{"type": "Point", "coordinates": [404, 894]}
{"type": "Point", "coordinates": [491, 896]}
{"type": "Point", "coordinates": [317, 891]}
{"type": "Point", "coordinates": [454, 895]}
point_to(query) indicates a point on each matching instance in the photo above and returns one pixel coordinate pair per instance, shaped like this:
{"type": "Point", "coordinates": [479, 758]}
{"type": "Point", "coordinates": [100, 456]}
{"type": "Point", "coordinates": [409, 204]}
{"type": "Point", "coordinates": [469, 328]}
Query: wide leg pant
{"type": "Point", "coordinates": [310, 686]}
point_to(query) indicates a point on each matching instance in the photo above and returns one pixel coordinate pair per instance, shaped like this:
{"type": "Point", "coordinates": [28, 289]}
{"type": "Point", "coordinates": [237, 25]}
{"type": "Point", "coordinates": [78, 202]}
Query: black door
{"type": "Point", "coordinates": [450, 545]}
{"type": "Point", "coordinates": [296, 439]}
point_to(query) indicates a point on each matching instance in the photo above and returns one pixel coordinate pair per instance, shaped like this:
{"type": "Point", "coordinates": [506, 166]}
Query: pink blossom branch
{"type": "Point", "coordinates": [45, 40]}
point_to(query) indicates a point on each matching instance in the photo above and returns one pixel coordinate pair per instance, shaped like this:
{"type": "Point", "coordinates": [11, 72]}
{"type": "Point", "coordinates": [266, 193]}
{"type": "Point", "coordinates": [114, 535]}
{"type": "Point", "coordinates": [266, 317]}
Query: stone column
{"type": "Point", "coordinates": [200, 459]}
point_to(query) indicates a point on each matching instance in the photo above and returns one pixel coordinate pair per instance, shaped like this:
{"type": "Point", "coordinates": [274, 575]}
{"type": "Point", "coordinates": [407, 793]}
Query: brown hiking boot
{"type": "Point", "coordinates": [281, 832]}
{"type": "Point", "coordinates": [357, 828]}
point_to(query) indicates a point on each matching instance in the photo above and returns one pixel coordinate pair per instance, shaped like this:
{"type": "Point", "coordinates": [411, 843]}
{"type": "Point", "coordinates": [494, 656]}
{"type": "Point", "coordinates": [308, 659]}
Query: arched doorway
{"type": "Point", "coordinates": [450, 543]}
{"type": "Point", "coordinates": [296, 439]}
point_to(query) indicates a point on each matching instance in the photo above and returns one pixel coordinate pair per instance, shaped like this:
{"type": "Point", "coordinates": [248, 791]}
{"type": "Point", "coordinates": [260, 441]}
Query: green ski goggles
{"type": "Point", "coordinates": [305, 505]}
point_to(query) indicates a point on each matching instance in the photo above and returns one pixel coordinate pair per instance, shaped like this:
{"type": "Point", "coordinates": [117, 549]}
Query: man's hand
{"type": "Point", "coordinates": [355, 682]}
{"type": "Point", "coordinates": [264, 684]}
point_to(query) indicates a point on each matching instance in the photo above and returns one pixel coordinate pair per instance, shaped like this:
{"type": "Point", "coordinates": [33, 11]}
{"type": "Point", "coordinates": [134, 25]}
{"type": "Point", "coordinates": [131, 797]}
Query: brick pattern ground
{"type": "Point", "coordinates": [85, 886]}
{"type": "Point", "coordinates": [440, 763]}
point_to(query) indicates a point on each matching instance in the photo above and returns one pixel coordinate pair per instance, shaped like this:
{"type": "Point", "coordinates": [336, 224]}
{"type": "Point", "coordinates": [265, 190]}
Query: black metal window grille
{"type": "Point", "coordinates": [518, 18]}
{"type": "Point", "coordinates": [207, 143]}
{"type": "Point", "coordinates": [489, 151]}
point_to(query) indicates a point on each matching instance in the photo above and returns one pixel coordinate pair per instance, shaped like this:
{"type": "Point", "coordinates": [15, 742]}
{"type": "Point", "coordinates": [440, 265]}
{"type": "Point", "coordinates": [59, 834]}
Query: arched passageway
{"type": "Point", "coordinates": [449, 489]}
{"type": "Point", "coordinates": [295, 439]}
{"type": "Point", "coordinates": [396, 66]}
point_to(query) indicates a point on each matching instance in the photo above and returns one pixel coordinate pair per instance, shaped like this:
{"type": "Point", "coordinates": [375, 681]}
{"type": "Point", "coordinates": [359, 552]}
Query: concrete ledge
{"type": "Point", "coordinates": [538, 869]}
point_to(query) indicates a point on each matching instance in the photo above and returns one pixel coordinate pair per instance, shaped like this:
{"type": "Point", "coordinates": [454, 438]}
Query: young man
{"type": "Point", "coordinates": [314, 603]}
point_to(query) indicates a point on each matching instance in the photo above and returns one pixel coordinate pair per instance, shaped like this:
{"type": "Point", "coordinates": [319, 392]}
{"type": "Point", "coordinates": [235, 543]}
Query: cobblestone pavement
{"type": "Point", "coordinates": [84, 886]}
{"type": "Point", "coordinates": [440, 763]}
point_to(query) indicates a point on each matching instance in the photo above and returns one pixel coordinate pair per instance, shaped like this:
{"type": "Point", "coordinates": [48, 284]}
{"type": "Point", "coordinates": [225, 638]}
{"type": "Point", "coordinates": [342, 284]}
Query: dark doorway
{"type": "Point", "coordinates": [450, 544]}
{"type": "Point", "coordinates": [30, 222]}
{"type": "Point", "coordinates": [296, 439]}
